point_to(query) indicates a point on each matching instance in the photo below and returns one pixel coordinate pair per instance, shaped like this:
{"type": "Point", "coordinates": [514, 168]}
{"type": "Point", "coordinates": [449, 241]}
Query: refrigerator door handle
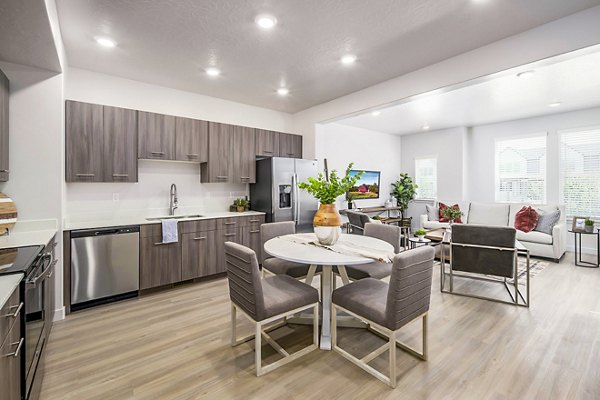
{"type": "Point", "coordinates": [295, 202]}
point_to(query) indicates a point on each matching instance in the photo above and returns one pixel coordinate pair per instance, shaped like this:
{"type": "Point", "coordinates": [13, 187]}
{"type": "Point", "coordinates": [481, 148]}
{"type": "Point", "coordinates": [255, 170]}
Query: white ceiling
{"type": "Point", "coordinates": [26, 35]}
{"type": "Point", "coordinates": [170, 42]}
{"type": "Point", "coordinates": [574, 82]}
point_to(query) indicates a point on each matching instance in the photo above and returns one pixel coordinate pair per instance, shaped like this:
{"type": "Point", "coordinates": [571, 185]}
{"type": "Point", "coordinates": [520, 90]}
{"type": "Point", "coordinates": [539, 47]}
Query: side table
{"type": "Point", "coordinates": [416, 242]}
{"type": "Point", "coordinates": [577, 237]}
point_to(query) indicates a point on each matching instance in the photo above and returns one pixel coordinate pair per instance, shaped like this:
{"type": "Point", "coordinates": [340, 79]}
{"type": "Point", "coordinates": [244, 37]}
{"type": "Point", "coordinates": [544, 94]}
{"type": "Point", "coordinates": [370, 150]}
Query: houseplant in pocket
{"type": "Point", "coordinates": [404, 190]}
{"type": "Point", "coordinates": [420, 233]}
{"type": "Point", "coordinates": [327, 188]}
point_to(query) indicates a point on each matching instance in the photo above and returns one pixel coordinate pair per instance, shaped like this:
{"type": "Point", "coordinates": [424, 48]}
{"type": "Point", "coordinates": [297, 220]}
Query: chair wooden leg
{"type": "Point", "coordinates": [257, 349]}
{"type": "Point", "coordinates": [392, 350]}
{"type": "Point", "coordinates": [425, 337]}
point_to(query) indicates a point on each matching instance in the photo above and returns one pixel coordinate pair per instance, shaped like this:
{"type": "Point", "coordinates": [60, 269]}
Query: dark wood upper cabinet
{"type": "Point", "coordinates": [220, 151]}
{"type": "Point", "coordinates": [120, 145]}
{"type": "Point", "coordinates": [267, 143]}
{"type": "Point", "coordinates": [243, 157]}
{"type": "Point", "coordinates": [84, 142]}
{"type": "Point", "coordinates": [4, 93]}
{"type": "Point", "coordinates": [290, 146]}
{"type": "Point", "coordinates": [156, 136]}
{"type": "Point", "coordinates": [191, 140]}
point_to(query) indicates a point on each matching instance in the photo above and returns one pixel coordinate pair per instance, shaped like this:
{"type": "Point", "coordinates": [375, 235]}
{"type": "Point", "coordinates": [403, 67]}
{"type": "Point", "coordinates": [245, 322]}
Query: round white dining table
{"type": "Point", "coordinates": [284, 248]}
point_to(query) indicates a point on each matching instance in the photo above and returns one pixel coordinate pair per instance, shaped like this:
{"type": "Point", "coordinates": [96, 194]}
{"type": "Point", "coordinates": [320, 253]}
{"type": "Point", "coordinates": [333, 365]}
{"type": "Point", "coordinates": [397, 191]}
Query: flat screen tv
{"type": "Point", "coordinates": [367, 186]}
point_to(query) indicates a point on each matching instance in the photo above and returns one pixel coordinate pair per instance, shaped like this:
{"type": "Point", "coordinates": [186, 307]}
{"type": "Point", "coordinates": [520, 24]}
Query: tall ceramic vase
{"type": "Point", "coordinates": [327, 223]}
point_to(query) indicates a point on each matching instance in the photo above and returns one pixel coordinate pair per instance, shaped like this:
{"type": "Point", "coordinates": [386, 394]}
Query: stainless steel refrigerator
{"type": "Point", "coordinates": [276, 191]}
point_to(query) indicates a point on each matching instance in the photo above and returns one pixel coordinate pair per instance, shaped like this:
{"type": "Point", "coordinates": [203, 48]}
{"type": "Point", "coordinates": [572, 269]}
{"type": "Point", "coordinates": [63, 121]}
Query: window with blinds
{"type": "Point", "coordinates": [426, 178]}
{"type": "Point", "coordinates": [521, 170]}
{"type": "Point", "coordinates": [580, 172]}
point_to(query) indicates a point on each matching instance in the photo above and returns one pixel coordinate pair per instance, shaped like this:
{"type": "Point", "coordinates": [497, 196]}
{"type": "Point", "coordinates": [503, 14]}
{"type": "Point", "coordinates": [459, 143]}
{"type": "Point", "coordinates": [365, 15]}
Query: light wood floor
{"type": "Point", "coordinates": [175, 345]}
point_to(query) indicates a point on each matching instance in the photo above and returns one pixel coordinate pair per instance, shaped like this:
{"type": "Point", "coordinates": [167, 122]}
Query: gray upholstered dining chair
{"type": "Point", "coordinates": [389, 307]}
{"type": "Point", "coordinates": [265, 301]}
{"type": "Point", "coordinates": [376, 269]}
{"type": "Point", "coordinates": [278, 266]}
{"type": "Point", "coordinates": [486, 253]}
{"type": "Point", "coordinates": [357, 221]}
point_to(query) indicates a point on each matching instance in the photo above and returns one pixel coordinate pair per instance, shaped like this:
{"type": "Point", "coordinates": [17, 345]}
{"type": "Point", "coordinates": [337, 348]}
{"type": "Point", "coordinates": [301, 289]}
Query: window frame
{"type": "Point", "coordinates": [432, 157]}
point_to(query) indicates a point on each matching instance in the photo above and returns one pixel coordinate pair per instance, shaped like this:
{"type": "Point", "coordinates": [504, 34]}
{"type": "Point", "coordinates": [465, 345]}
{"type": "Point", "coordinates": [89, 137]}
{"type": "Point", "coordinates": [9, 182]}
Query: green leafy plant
{"type": "Point", "coordinates": [241, 202]}
{"type": "Point", "coordinates": [326, 188]}
{"type": "Point", "coordinates": [451, 213]}
{"type": "Point", "coordinates": [589, 222]}
{"type": "Point", "coordinates": [420, 232]}
{"type": "Point", "coordinates": [404, 190]}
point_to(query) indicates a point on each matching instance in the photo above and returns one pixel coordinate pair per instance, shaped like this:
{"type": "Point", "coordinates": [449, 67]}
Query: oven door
{"type": "Point", "coordinates": [35, 314]}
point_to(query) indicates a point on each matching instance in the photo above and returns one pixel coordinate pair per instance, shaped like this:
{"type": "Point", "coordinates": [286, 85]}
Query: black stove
{"type": "Point", "coordinates": [19, 259]}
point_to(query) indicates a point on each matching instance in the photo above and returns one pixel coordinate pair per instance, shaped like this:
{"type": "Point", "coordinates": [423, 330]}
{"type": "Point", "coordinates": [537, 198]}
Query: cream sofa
{"type": "Point", "coordinates": [503, 214]}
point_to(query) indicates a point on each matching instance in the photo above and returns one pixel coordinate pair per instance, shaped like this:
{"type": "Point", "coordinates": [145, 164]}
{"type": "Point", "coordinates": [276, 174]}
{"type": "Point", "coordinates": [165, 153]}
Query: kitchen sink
{"type": "Point", "coordinates": [174, 217]}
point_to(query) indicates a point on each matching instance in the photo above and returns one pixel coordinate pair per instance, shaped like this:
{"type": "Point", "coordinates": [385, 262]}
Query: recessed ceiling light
{"type": "Point", "coordinates": [348, 59]}
{"type": "Point", "coordinates": [105, 42]}
{"type": "Point", "coordinates": [526, 74]}
{"type": "Point", "coordinates": [555, 104]}
{"type": "Point", "coordinates": [213, 72]}
{"type": "Point", "coordinates": [425, 127]}
{"type": "Point", "coordinates": [375, 113]}
{"type": "Point", "coordinates": [266, 21]}
{"type": "Point", "coordinates": [283, 91]}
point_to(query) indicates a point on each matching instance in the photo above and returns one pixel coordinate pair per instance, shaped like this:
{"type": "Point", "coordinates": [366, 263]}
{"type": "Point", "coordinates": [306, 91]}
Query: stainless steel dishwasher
{"type": "Point", "coordinates": [104, 265]}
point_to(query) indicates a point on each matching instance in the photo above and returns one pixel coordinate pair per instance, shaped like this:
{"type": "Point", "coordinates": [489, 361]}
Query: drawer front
{"type": "Point", "coordinates": [160, 264]}
{"type": "Point", "coordinates": [202, 225]}
{"type": "Point", "coordinates": [149, 230]}
{"type": "Point", "coordinates": [10, 364]}
{"type": "Point", "coordinates": [255, 221]}
{"type": "Point", "coordinates": [10, 313]}
{"type": "Point", "coordinates": [231, 222]}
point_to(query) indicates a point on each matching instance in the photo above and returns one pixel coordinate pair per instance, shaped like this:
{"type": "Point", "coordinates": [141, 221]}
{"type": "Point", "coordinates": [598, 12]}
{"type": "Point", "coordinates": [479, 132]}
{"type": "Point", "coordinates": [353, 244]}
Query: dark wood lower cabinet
{"type": "Point", "coordinates": [10, 366]}
{"type": "Point", "coordinates": [198, 253]}
{"type": "Point", "coordinates": [160, 263]}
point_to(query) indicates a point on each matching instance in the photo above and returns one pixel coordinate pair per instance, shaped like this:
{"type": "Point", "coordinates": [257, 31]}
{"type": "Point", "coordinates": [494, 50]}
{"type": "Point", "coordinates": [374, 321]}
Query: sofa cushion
{"type": "Point", "coordinates": [534, 237]}
{"type": "Point", "coordinates": [442, 207]}
{"type": "Point", "coordinates": [547, 220]}
{"type": "Point", "coordinates": [493, 214]}
{"type": "Point", "coordinates": [435, 224]}
{"type": "Point", "coordinates": [433, 212]}
{"type": "Point", "coordinates": [526, 219]}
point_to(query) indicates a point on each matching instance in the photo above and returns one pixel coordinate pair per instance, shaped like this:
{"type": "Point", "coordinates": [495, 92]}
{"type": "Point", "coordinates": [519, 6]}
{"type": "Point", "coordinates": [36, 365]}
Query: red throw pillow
{"type": "Point", "coordinates": [444, 219]}
{"type": "Point", "coordinates": [526, 219]}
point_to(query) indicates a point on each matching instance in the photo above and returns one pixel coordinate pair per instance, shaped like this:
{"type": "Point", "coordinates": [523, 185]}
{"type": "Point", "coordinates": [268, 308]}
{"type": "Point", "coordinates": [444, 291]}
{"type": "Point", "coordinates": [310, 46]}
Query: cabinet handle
{"type": "Point", "coordinates": [85, 175]}
{"type": "Point", "coordinates": [17, 311]}
{"type": "Point", "coordinates": [192, 155]}
{"type": "Point", "coordinates": [3, 170]}
{"type": "Point", "coordinates": [16, 353]}
{"type": "Point", "coordinates": [200, 238]}
{"type": "Point", "coordinates": [267, 152]}
{"type": "Point", "coordinates": [222, 177]}
{"type": "Point", "coordinates": [244, 177]}
{"type": "Point", "coordinates": [229, 234]}
{"type": "Point", "coordinates": [120, 175]}
{"type": "Point", "coordinates": [163, 243]}
{"type": "Point", "coordinates": [290, 154]}
{"type": "Point", "coordinates": [254, 231]}
{"type": "Point", "coordinates": [157, 153]}
{"type": "Point", "coordinates": [255, 220]}
{"type": "Point", "coordinates": [230, 223]}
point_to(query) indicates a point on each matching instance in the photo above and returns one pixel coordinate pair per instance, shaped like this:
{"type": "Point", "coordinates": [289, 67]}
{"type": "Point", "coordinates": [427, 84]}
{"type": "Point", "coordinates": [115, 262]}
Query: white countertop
{"type": "Point", "coordinates": [8, 283]}
{"type": "Point", "coordinates": [73, 224]}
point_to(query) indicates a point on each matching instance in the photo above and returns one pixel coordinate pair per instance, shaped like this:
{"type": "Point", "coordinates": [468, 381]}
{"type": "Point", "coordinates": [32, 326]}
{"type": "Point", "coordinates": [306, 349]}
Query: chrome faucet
{"type": "Point", "coordinates": [173, 205]}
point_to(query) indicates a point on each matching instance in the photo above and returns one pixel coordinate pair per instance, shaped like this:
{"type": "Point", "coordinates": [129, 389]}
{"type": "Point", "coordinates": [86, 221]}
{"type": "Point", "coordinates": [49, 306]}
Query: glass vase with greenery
{"type": "Point", "coordinates": [451, 214]}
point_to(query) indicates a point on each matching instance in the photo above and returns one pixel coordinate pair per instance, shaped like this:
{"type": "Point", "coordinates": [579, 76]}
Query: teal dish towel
{"type": "Point", "coordinates": [169, 230]}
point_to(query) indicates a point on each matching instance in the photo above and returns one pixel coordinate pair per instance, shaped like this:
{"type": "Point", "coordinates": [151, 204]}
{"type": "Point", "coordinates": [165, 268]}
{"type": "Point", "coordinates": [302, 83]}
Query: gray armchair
{"type": "Point", "coordinates": [265, 301]}
{"type": "Point", "coordinates": [389, 307]}
{"type": "Point", "coordinates": [485, 253]}
{"type": "Point", "coordinates": [357, 221]}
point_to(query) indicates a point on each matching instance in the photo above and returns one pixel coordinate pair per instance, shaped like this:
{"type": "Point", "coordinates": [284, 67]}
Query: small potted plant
{"type": "Point", "coordinates": [451, 214]}
{"type": "Point", "coordinates": [327, 188]}
{"type": "Point", "coordinates": [420, 233]}
{"type": "Point", "coordinates": [349, 199]}
{"type": "Point", "coordinates": [589, 225]}
{"type": "Point", "coordinates": [240, 204]}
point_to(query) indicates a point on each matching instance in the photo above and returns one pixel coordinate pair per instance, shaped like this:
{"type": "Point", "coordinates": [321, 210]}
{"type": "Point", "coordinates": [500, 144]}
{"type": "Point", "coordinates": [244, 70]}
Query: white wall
{"type": "Point", "coordinates": [447, 145]}
{"type": "Point", "coordinates": [369, 150]}
{"type": "Point", "coordinates": [91, 200]}
{"type": "Point", "coordinates": [566, 34]}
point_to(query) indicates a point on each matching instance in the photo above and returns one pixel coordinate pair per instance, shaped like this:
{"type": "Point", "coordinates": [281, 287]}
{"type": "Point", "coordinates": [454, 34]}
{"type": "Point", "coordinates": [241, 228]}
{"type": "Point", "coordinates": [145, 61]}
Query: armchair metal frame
{"type": "Point", "coordinates": [516, 298]}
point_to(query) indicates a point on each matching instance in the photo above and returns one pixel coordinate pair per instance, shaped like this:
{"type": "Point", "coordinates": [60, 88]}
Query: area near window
{"type": "Point", "coordinates": [580, 172]}
{"type": "Point", "coordinates": [426, 178]}
{"type": "Point", "coordinates": [521, 170]}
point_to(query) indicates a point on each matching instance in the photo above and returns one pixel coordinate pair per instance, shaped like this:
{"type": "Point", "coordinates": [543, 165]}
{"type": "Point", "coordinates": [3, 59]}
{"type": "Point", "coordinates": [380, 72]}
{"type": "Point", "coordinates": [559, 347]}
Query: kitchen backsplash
{"type": "Point", "coordinates": [150, 196]}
